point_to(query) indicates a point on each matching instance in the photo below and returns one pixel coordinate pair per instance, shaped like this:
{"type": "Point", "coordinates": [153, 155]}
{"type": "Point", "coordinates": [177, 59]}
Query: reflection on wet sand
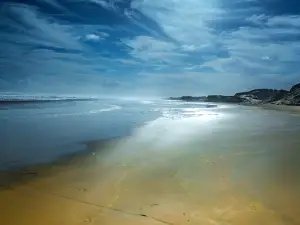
{"type": "Point", "coordinates": [193, 170]}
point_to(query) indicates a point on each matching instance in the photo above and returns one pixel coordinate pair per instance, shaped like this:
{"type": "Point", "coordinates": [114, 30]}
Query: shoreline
{"type": "Point", "coordinates": [19, 174]}
{"type": "Point", "coordinates": [27, 172]}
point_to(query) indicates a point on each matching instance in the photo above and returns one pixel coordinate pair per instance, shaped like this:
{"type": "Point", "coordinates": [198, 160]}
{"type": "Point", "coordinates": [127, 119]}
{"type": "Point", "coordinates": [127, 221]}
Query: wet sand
{"type": "Point", "coordinates": [168, 172]}
{"type": "Point", "coordinates": [286, 108]}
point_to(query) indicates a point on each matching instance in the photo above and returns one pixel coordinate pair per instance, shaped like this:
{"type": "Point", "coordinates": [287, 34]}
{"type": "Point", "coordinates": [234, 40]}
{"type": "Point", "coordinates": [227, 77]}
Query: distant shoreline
{"type": "Point", "coordinates": [253, 97]}
{"type": "Point", "coordinates": [30, 101]}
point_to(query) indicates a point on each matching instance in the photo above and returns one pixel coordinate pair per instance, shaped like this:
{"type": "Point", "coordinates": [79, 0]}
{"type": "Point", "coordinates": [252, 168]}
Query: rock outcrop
{"type": "Point", "coordinates": [266, 95]}
{"type": "Point", "coordinates": [209, 98]}
{"type": "Point", "coordinates": [189, 98]}
{"type": "Point", "coordinates": [290, 98]}
{"type": "Point", "coordinates": [256, 96]}
{"type": "Point", "coordinates": [223, 98]}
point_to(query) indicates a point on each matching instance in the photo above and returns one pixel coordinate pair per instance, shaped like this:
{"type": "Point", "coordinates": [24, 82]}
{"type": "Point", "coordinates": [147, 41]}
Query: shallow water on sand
{"type": "Point", "coordinates": [39, 132]}
{"type": "Point", "coordinates": [193, 165]}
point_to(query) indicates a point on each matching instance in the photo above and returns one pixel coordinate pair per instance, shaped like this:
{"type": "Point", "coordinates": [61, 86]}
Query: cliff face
{"type": "Point", "coordinates": [209, 98]}
{"type": "Point", "coordinates": [266, 95]}
{"type": "Point", "coordinates": [257, 96]}
{"type": "Point", "coordinates": [279, 97]}
{"type": "Point", "coordinates": [291, 98]}
{"type": "Point", "coordinates": [222, 98]}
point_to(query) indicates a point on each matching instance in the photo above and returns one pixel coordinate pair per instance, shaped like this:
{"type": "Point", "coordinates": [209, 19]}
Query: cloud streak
{"type": "Point", "coordinates": [34, 28]}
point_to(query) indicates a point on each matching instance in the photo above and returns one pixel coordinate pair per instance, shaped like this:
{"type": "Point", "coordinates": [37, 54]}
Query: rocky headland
{"type": "Point", "coordinates": [256, 96]}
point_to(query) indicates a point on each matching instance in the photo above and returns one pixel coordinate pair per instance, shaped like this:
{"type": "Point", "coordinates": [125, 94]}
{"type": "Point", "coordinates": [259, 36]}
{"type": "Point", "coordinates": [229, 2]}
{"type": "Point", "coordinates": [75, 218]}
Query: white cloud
{"type": "Point", "coordinates": [37, 29]}
{"type": "Point", "coordinates": [105, 4]}
{"type": "Point", "coordinates": [266, 58]}
{"type": "Point", "coordinates": [263, 50]}
{"type": "Point", "coordinates": [148, 43]}
{"type": "Point", "coordinates": [258, 42]}
{"type": "Point", "coordinates": [189, 48]}
{"type": "Point", "coordinates": [184, 21]}
{"type": "Point", "coordinates": [35, 53]}
{"type": "Point", "coordinates": [147, 48]}
{"type": "Point", "coordinates": [96, 37]}
{"type": "Point", "coordinates": [92, 37]}
{"type": "Point", "coordinates": [258, 19]}
{"type": "Point", "coordinates": [287, 20]}
{"type": "Point", "coordinates": [276, 21]}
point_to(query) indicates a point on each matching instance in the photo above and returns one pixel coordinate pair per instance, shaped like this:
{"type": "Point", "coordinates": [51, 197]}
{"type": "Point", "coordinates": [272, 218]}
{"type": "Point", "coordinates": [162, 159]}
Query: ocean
{"type": "Point", "coordinates": [41, 130]}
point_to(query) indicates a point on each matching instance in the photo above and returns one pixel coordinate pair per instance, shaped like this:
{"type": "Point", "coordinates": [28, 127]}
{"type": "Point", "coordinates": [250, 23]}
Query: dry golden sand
{"type": "Point", "coordinates": [109, 188]}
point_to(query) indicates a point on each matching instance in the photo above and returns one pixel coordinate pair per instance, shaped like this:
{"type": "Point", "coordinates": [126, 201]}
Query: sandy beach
{"type": "Point", "coordinates": [166, 172]}
{"type": "Point", "coordinates": [286, 108]}
{"type": "Point", "coordinates": [149, 112]}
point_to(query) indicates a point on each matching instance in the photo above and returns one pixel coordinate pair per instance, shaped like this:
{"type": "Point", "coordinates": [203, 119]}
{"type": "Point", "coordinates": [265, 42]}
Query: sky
{"type": "Point", "coordinates": [148, 47]}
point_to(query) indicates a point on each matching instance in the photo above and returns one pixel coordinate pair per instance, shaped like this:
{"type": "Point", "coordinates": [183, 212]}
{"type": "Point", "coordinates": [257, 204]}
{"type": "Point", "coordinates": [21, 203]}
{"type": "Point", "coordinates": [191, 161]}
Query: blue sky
{"type": "Point", "coordinates": [148, 47]}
